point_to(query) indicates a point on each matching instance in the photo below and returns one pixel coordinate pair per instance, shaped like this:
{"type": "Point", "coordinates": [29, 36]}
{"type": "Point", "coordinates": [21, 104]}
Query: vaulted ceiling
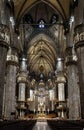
{"type": "Point", "coordinates": [21, 6]}
{"type": "Point", "coordinates": [42, 50]}
{"type": "Point", "coordinates": [42, 55]}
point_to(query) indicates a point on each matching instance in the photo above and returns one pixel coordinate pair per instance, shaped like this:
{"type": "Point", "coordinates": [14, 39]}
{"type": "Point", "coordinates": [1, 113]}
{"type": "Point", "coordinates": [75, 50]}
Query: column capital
{"type": "Point", "coordinates": [71, 57]}
{"type": "Point", "coordinates": [22, 77]}
{"type": "Point", "coordinates": [12, 57]}
{"type": "Point", "coordinates": [61, 79]}
{"type": "Point", "coordinates": [79, 35]}
{"type": "Point", "coordinates": [4, 35]}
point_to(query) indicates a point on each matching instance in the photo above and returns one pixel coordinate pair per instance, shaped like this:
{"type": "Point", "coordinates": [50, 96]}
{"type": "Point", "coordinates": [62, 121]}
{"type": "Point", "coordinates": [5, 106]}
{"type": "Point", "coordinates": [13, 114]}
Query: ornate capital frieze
{"type": "Point", "coordinates": [79, 38]}
{"type": "Point", "coordinates": [12, 59]}
{"type": "Point", "coordinates": [71, 57]}
{"type": "Point", "coordinates": [79, 35]}
{"type": "Point", "coordinates": [22, 78]}
{"type": "Point", "coordinates": [4, 35]}
{"type": "Point", "coordinates": [61, 79]}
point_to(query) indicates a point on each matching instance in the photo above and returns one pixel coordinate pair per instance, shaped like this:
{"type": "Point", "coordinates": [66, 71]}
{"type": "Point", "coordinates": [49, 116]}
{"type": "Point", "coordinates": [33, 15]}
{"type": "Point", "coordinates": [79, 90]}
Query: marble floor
{"type": "Point", "coordinates": [41, 126]}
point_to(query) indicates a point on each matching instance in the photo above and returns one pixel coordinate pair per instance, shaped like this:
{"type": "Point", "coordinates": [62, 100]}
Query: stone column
{"type": "Point", "coordinates": [2, 12]}
{"type": "Point", "coordinates": [73, 84]}
{"type": "Point", "coordinates": [61, 89]}
{"type": "Point", "coordinates": [10, 86]}
{"type": "Point", "coordinates": [47, 102]}
{"type": "Point", "coordinates": [73, 98]}
{"type": "Point", "coordinates": [27, 92]}
{"type": "Point", "coordinates": [22, 81]}
{"type": "Point", "coordinates": [79, 45]}
{"type": "Point", "coordinates": [36, 104]}
{"type": "Point", "coordinates": [4, 43]}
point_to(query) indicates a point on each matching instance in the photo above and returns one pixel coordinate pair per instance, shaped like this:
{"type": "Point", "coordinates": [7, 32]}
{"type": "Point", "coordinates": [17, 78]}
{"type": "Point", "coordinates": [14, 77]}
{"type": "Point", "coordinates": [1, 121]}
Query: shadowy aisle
{"type": "Point", "coordinates": [41, 126]}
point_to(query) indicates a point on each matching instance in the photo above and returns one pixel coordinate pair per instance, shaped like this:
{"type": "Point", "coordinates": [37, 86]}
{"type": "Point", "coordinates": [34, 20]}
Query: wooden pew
{"type": "Point", "coordinates": [17, 125]}
{"type": "Point", "coordinates": [66, 124]}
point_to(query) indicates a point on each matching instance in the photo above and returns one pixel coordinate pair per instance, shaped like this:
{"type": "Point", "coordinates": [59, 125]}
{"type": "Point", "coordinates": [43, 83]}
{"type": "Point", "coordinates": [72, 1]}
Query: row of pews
{"type": "Point", "coordinates": [53, 123]}
{"type": "Point", "coordinates": [66, 124]}
{"type": "Point", "coordinates": [17, 125]}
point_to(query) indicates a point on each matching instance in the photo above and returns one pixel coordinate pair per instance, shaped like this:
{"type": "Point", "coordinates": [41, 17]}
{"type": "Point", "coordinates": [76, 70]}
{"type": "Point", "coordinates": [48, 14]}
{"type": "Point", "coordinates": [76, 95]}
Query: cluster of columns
{"type": "Point", "coordinates": [8, 64]}
{"type": "Point", "coordinates": [75, 63]}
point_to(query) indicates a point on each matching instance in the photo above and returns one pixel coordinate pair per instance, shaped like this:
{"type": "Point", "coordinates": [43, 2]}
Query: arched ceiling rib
{"type": "Point", "coordinates": [41, 55]}
{"type": "Point", "coordinates": [21, 6]}
{"type": "Point", "coordinates": [42, 51]}
{"type": "Point", "coordinates": [41, 65]}
{"type": "Point", "coordinates": [44, 54]}
{"type": "Point", "coordinates": [39, 46]}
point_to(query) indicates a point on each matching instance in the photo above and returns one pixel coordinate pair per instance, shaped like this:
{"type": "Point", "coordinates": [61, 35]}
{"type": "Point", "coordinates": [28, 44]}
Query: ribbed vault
{"type": "Point", "coordinates": [21, 6]}
{"type": "Point", "coordinates": [42, 55]}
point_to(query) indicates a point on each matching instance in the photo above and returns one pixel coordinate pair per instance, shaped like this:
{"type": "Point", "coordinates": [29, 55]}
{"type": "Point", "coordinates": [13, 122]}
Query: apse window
{"type": "Point", "coordinates": [41, 24]}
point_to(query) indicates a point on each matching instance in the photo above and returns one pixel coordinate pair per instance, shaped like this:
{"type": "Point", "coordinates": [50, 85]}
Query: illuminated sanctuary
{"type": "Point", "coordinates": [42, 64]}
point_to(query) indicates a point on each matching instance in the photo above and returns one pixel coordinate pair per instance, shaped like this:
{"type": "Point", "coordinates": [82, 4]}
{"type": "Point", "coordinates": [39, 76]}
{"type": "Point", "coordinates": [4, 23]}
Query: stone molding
{"type": "Point", "coordinates": [61, 79]}
{"type": "Point", "coordinates": [4, 35]}
{"type": "Point", "coordinates": [78, 38]}
{"type": "Point", "coordinates": [79, 35]}
{"type": "Point", "coordinates": [71, 57]}
{"type": "Point", "coordinates": [12, 59]}
{"type": "Point", "coordinates": [22, 78]}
